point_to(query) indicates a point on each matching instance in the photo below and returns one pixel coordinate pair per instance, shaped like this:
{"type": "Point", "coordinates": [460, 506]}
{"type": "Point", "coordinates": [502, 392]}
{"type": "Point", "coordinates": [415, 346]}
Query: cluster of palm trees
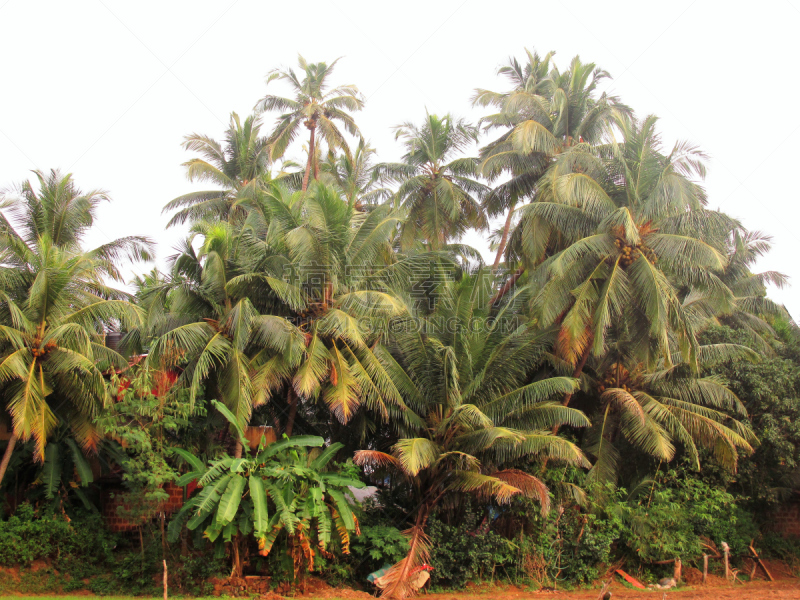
{"type": "Point", "coordinates": [338, 297]}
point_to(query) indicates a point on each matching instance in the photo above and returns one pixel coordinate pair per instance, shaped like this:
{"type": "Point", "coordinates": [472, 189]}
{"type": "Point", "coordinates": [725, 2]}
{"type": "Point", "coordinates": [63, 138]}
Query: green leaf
{"type": "Point", "coordinates": [236, 465]}
{"type": "Point", "coordinates": [259, 497]}
{"type": "Point", "coordinates": [324, 458]}
{"type": "Point", "coordinates": [51, 473]}
{"type": "Point", "coordinates": [188, 478]}
{"type": "Point", "coordinates": [300, 441]}
{"type": "Point", "coordinates": [208, 500]}
{"type": "Point", "coordinates": [82, 466]}
{"type": "Point", "coordinates": [195, 463]}
{"type": "Point", "coordinates": [339, 480]}
{"type": "Point", "coordinates": [235, 424]}
{"type": "Point", "coordinates": [344, 509]}
{"type": "Point", "coordinates": [229, 503]}
{"type": "Point", "coordinates": [177, 521]}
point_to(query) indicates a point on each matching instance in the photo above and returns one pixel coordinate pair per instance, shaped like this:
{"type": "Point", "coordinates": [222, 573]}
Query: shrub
{"type": "Point", "coordinates": [26, 537]}
{"type": "Point", "coordinates": [459, 555]}
{"type": "Point", "coordinates": [377, 546]}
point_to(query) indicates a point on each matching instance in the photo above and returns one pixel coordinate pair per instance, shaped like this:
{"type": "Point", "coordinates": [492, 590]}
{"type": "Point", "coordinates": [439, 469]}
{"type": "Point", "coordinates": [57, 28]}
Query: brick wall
{"type": "Point", "coordinates": [117, 523]}
{"type": "Point", "coordinates": [786, 519]}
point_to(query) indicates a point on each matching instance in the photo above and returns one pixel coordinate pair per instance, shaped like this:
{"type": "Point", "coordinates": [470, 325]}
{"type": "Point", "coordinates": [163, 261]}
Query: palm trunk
{"type": "Point", "coordinates": [236, 557]}
{"type": "Point", "coordinates": [567, 397]}
{"type": "Point", "coordinates": [315, 162]}
{"type": "Point", "coordinates": [7, 456]}
{"type": "Point", "coordinates": [504, 240]}
{"type": "Point", "coordinates": [508, 285]}
{"type": "Point", "coordinates": [577, 372]}
{"type": "Point", "coordinates": [292, 412]}
{"type": "Point", "coordinates": [311, 161]}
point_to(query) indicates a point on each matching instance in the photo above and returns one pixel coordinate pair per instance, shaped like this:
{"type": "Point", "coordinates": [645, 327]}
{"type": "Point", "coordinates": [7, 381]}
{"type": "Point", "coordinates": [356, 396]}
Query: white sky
{"type": "Point", "coordinates": [107, 90]}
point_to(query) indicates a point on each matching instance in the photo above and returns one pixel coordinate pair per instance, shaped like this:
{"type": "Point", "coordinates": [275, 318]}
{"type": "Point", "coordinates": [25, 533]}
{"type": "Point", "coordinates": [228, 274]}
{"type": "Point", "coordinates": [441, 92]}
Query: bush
{"type": "Point", "coordinates": [459, 555]}
{"type": "Point", "coordinates": [83, 549]}
{"type": "Point", "coordinates": [568, 545]}
{"type": "Point", "coordinates": [26, 537]}
{"type": "Point", "coordinates": [681, 509]}
{"type": "Point", "coordinates": [378, 546]}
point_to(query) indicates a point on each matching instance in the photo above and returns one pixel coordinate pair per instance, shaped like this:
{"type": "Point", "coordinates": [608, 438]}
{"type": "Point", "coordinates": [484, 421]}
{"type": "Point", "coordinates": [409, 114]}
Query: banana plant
{"type": "Point", "coordinates": [280, 487]}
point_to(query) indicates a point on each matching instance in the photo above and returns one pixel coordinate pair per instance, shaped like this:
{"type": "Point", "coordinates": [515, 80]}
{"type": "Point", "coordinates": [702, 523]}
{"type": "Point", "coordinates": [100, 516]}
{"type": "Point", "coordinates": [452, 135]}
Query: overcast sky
{"type": "Point", "coordinates": [106, 90]}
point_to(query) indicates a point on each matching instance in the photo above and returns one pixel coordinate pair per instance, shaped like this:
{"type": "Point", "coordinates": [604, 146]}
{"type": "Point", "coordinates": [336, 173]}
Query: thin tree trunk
{"type": "Point", "coordinates": [165, 579]}
{"type": "Point", "coordinates": [163, 518]}
{"type": "Point", "coordinates": [311, 152]}
{"type": "Point", "coordinates": [141, 544]}
{"type": "Point", "coordinates": [237, 452]}
{"type": "Point", "coordinates": [577, 372]}
{"type": "Point", "coordinates": [508, 285]}
{"type": "Point", "coordinates": [7, 455]}
{"type": "Point", "coordinates": [292, 412]}
{"type": "Point", "coordinates": [237, 559]}
{"type": "Point", "coordinates": [567, 397]}
{"type": "Point", "coordinates": [504, 239]}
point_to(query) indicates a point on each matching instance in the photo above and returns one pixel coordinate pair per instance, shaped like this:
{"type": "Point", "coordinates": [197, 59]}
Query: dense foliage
{"type": "Point", "coordinates": [617, 385]}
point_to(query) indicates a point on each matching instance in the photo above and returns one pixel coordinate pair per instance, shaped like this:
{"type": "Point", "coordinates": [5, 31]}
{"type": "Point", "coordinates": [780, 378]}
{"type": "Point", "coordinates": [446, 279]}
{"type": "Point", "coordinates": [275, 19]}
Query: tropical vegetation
{"type": "Point", "coordinates": [616, 384]}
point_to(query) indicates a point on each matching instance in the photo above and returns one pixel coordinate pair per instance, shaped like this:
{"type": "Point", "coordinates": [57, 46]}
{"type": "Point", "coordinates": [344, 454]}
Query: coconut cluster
{"type": "Point", "coordinates": [631, 252]}
{"type": "Point", "coordinates": [609, 379]}
{"type": "Point", "coordinates": [37, 352]}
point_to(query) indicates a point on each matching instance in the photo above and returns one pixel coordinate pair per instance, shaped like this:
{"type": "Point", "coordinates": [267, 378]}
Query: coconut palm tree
{"type": "Point", "coordinates": [342, 260]}
{"type": "Point", "coordinates": [55, 305]}
{"type": "Point", "coordinates": [352, 174]}
{"type": "Point", "coordinates": [224, 329]}
{"type": "Point", "coordinates": [660, 410]}
{"type": "Point", "coordinates": [620, 228]}
{"type": "Point", "coordinates": [236, 166]}
{"type": "Point", "coordinates": [545, 113]}
{"type": "Point", "coordinates": [437, 190]}
{"type": "Point", "coordinates": [749, 309]}
{"type": "Point", "coordinates": [313, 267]}
{"type": "Point", "coordinates": [472, 381]}
{"type": "Point", "coordinates": [316, 107]}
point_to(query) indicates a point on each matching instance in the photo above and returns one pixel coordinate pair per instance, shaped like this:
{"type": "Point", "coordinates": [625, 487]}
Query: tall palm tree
{"type": "Point", "coordinates": [222, 330]}
{"type": "Point", "coordinates": [55, 305]}
{"type": "Point", "coordinates": [620, 228]}
{"type": "Point", "coordinates": [312, 267]}
{"type": "Point", "coordinates": [545, 113]}
{"type": "Point", "coordinates": [749, 308]}
{"type": "Point", "coordinates": [341, 258]}
{"type": "Point", "coordinates": [314, 106]}
{"type": "Point", "coordinates": [236, 166]}
{"type": "Point", "coordinates": [527, 100]}
{"type": "Point", "coordinates": [352, 174]}
{"type": "Point", "coordinates": [667, 407]}
{"type": "Point", "coordinates": [437, 190]}
{"type": "Point", "coordinates": [472, 382]}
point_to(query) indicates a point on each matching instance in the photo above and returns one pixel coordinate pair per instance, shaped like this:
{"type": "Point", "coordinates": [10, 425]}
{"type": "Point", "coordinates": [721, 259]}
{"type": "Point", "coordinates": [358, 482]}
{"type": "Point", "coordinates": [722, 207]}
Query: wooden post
{"type": "Point", "coordinates": [705, 567]}
{"type": "Point", "coordinates": [760, 562]}
{"type": "Point", "coordinates": [165, 579]}
{"type": "Point", "coordinates": [606, 585]}
{"type": "Point", "coordinates": [676, 570]}
{"type": "Point", "coordinates": [725, 551]}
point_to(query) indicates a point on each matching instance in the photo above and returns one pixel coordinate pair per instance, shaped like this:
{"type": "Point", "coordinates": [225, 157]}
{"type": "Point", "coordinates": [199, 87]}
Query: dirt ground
{"type": "Point", "coordinates": [758, 590]}
{"type": "Point", "coordinates": [786, 586]}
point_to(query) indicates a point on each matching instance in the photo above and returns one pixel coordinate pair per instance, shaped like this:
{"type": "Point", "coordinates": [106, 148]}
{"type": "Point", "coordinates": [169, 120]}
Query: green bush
{"type": "Point", "coordinates": [26, 537]}
{"type": "Point", "coordinates": [377, 546]}
{"type": "Point", "coordinates": [459, 555]}
{"type": "Point", "coordinates": [679, 510]}
{"type": "Point", "coordinates": [568, 545]}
